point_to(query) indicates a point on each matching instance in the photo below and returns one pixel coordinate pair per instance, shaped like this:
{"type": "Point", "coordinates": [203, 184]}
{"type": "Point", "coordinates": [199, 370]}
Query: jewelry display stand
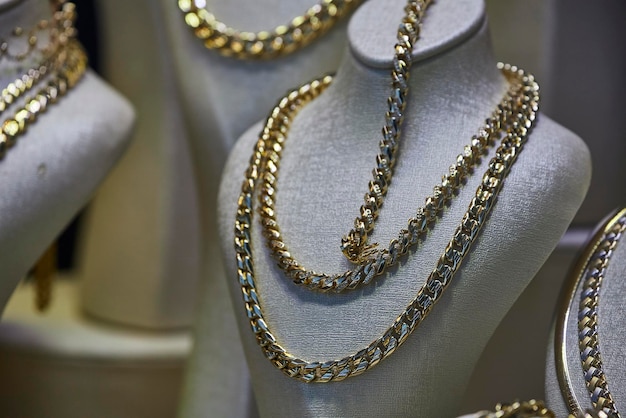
{"type": "Point", "coordinates": [222, 97]}
{"type": "Point", "coordinates": [141, 258]}
{"type": "Point", "coordinates": [325, 166]}
{"type": "Point", "coordinates": [611, 318]}
{"type": "Point", "coordinates": [54, 168]}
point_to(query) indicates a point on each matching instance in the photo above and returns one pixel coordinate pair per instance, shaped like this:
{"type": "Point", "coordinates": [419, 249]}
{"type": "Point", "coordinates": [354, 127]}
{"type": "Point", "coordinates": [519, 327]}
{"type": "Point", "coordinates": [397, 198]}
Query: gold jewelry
{"type": "Point", "coordinates": [282, 40]}
{"type": "Point", "coordinates": [56, 32]}
{"type": "Point", "coordinates": [524, 409]}
{"type": "Point", "coordinates": [589, 271]}
{"type": "Point", "coordinates": [262, 166]}
{"type": "Point", "coordinates": [74, 65]}
{"type": "Point", "coordinates": [376, 262]}
{"type": "Point", "coordinates": [355, 247]}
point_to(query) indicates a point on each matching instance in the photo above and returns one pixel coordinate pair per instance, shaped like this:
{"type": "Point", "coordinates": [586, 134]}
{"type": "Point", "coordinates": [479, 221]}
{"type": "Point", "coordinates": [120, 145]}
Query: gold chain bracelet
{"type": "Point", "coordinates": [262, 165]}
{"type": "Point", "coordinates": [282, 40]}
{"type": "Point", "coordinates": [590, 272]}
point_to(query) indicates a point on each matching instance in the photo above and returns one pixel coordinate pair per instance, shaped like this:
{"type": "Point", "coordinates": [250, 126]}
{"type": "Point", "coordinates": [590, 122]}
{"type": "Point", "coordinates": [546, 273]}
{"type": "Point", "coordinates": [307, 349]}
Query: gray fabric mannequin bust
{"type": "Point", "coordinates": [324, 173]}
{"type": "Point", "coordinates": [222, 97]}
{"type": "Point", "coordinates": [57, 164]}
{"type": "Point", "coordinates": [611, 320]}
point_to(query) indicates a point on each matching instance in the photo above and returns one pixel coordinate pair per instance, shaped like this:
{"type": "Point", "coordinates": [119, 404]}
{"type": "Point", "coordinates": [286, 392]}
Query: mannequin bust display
{"type": "Point", "coordinates": [149, 278]}
{"type": "Point", "coordinates": [454, 86]}
{"type": "Point", "coordinates": [221, 98]}
{"type": "Point", "coordinates": [610, 318]}
{"type": "Point", "coordinates": [57, 164]}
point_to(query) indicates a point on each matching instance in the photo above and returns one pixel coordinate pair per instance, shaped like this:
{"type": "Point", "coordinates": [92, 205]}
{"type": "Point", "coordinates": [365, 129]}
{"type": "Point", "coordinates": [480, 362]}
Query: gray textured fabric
{"type": "Point", "coordinates": [324, 173]}
{"type": "Point", "coordinates": [611, 320]}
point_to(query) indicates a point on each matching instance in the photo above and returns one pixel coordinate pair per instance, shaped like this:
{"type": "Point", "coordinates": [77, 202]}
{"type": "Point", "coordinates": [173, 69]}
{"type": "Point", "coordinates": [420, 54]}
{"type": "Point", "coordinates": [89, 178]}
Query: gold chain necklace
{"type": "Point", "coordinates": [377, 262]}
{"type": "Point", "coordinates": [512, 134]}
{"type": "Point", "coordinates": [355, 246]}
{"type": "Point", "coordinates": [282, 40]}
{"type": "Point", "coordinates": [590, 271]}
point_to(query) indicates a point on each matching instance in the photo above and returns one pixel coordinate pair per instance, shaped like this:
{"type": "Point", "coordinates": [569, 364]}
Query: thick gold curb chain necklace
{"type": "Point", "coordinates": [262, 164]}
{"type": "Point", "coordinates": [372, 262]}
{"type": "Point", "coordinates": [591, 271]}
{"type": "Point", "coordinates": [282, 40]}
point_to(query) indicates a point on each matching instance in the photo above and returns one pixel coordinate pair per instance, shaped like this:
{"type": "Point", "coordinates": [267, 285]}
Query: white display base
{"type": "Point", "coordinates": [64, 364]}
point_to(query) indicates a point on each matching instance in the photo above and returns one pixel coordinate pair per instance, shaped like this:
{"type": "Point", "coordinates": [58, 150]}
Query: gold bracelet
{"type": "Point", "coordinates": [282, 40]}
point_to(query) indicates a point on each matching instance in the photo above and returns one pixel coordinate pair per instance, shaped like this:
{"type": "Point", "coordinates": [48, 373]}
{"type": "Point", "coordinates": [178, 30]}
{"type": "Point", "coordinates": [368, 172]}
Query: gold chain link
{"type": "Point", "coordinates": [282, 40]}
{"type": "Point", "coordinates": [354, 245]}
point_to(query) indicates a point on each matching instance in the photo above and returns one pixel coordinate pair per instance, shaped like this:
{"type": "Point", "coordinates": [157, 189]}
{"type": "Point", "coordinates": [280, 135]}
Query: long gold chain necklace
{"type": "Point", "coordinates": [355, 247]}
{"type": "Point", "coordinates": [282, 40]}
{"type": "Point", "coordinates": [372, 261]}
{"type": "Point", "coordinates": [377, 262]}
{"type": "Point", "coordinates": [512, 134]}
{"type": "Point", "coordinates": [590, 271]}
